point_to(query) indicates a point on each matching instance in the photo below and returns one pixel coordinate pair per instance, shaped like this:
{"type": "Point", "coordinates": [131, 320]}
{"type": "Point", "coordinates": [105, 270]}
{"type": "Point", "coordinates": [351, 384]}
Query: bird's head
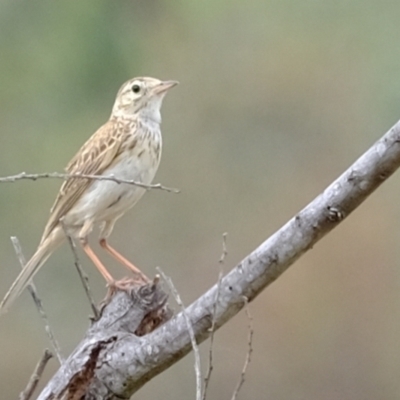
{"type": "Point", "coordinates": [141, 97]}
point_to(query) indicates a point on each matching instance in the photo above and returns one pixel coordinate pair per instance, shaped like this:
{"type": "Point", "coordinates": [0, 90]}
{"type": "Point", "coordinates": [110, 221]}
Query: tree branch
{"type": "Point", "coordinates": [37, 374]}
{"type": "Point", "coordinates": [57, 175]}
{"type": "Point", "coordinates": [195, 347]}
{"type": "Point", "coordinates": [82, 274]}
{"type": "Point", "coordinates": [212, 329]}
{"type": "Point", "coordinates": [38, 302]}
{"type": "Point", "coordinates": [117, 363]}
{"type": "Point", "coordinates": [248, 354]}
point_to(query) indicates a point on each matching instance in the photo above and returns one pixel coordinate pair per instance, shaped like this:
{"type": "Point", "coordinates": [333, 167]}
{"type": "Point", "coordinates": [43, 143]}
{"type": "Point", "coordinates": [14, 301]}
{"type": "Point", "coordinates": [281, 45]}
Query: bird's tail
{"type": "Point", "coordinates": [41, 255]}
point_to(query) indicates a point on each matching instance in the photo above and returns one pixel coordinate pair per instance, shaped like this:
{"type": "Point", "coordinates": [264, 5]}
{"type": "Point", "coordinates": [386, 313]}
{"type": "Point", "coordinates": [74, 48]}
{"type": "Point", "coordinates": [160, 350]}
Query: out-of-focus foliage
{"type": "Point", "coordinates": [276, 99]}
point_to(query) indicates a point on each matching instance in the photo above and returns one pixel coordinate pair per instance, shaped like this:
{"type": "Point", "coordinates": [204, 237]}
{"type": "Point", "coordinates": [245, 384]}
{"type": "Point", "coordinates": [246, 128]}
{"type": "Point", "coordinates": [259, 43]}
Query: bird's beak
{"type": "Point", "coordinates": [164, 86]}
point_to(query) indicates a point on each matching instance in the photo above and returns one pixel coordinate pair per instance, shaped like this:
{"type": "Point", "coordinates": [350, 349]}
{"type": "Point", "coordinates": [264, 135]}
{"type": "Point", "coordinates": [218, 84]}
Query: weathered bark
{"type": "Point", "coordinates": [91, 368]}
{"type": "Point", "coordinates": [112, 362]}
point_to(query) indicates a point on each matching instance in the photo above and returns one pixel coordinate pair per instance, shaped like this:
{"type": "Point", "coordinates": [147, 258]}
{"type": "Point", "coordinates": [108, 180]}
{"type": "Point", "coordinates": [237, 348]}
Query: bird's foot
{"type": "Point", "coordinates": [125, 285]}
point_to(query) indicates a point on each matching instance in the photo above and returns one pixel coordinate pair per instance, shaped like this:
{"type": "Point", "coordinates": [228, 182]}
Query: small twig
{"type": "Point", "coordinates": [82, 274]}
{"type": "Point", "coordinates": [224, 248]}
{"type": "Point", "coordinates": [36, 375]}
{"type": "Point", "coordinates": [212, 329]}
{"type": "Point", "coordinates": [57, 175]}
{"type": "Point", "coordinates": [196, 351]}
{"type": "Point", "coordinates": [37, 301]}
{"type": "Point", "coordinates": [249, 350]}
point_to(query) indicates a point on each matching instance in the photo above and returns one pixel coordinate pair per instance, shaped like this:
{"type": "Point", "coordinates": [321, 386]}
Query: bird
{"type": "Point", "coordinates": [128, 147]}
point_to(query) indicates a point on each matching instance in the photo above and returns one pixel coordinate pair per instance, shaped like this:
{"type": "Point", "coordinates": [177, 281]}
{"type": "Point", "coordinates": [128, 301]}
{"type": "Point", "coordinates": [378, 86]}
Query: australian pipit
{"type": "Point", "coordinates": [128, 146]}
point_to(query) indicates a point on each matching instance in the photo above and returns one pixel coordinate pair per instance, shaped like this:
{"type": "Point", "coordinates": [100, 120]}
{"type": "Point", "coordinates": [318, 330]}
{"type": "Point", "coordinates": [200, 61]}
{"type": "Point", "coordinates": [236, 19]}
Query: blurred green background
{"type": "Point", "coordinates": [276, 99]}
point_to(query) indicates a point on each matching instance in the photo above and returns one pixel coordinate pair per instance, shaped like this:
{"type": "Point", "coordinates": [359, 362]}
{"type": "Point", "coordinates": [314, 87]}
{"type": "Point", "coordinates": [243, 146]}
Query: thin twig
{"type": "Point", "coordinates": [38, 302]}
{"type": "Point", "coordinates": [57, 175]}
{"type": "Point", "coordinates": [249, 350]}
{"type": "Point", "coordinates": [82, 274]}
{"type": "Point", "coordinates": [212, 329]}
{"type": "Point", "coordinates": [197, 366]}
{"type": "Point", "coordinates": [36, 375]}
{"type": "Point", "coordinates": [224, 248]}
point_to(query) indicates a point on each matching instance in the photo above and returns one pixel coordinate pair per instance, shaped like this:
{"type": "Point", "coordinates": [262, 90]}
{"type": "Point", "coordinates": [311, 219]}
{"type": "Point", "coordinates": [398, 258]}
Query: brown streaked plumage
{"type": "Point", "coordinates": [127, 146]}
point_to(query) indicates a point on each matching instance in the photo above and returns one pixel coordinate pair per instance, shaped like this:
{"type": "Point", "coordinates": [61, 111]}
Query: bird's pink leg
{"type": "Point", "coordinates": [99, 265]}
{"type": "Point", "coordinates": [121, 259]}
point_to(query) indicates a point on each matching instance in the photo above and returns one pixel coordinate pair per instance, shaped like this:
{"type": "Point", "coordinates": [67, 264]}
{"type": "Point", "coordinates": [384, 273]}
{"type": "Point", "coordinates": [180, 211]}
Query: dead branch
{"type": "Point", "coordinates": [57, 175]}
{"type": "Point", "coordinates": [112, 362]}
{"type": "Point", "coordinates": [197, 366]}
{"type": "Point", "coordinates": [212, 329]}
{"type": "Point", "coordinates": [38, 302]}
{"type": "Point", "coordinates": [82, 274]}
{"type": "Point", "coordinates": [37, 374]}
{"type": "Point", "coordinates": [249, 351]}
{"type": "Point", "coordinates": [105, 343]}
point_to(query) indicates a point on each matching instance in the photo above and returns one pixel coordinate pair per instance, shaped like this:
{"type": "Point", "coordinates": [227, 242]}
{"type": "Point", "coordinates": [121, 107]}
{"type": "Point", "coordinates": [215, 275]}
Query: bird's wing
{"type": "Point", "coordinates": [93, 158]}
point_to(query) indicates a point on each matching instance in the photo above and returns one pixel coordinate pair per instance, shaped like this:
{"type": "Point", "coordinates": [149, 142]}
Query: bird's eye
{"type": "Point", "coordinates": [135, 88]}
